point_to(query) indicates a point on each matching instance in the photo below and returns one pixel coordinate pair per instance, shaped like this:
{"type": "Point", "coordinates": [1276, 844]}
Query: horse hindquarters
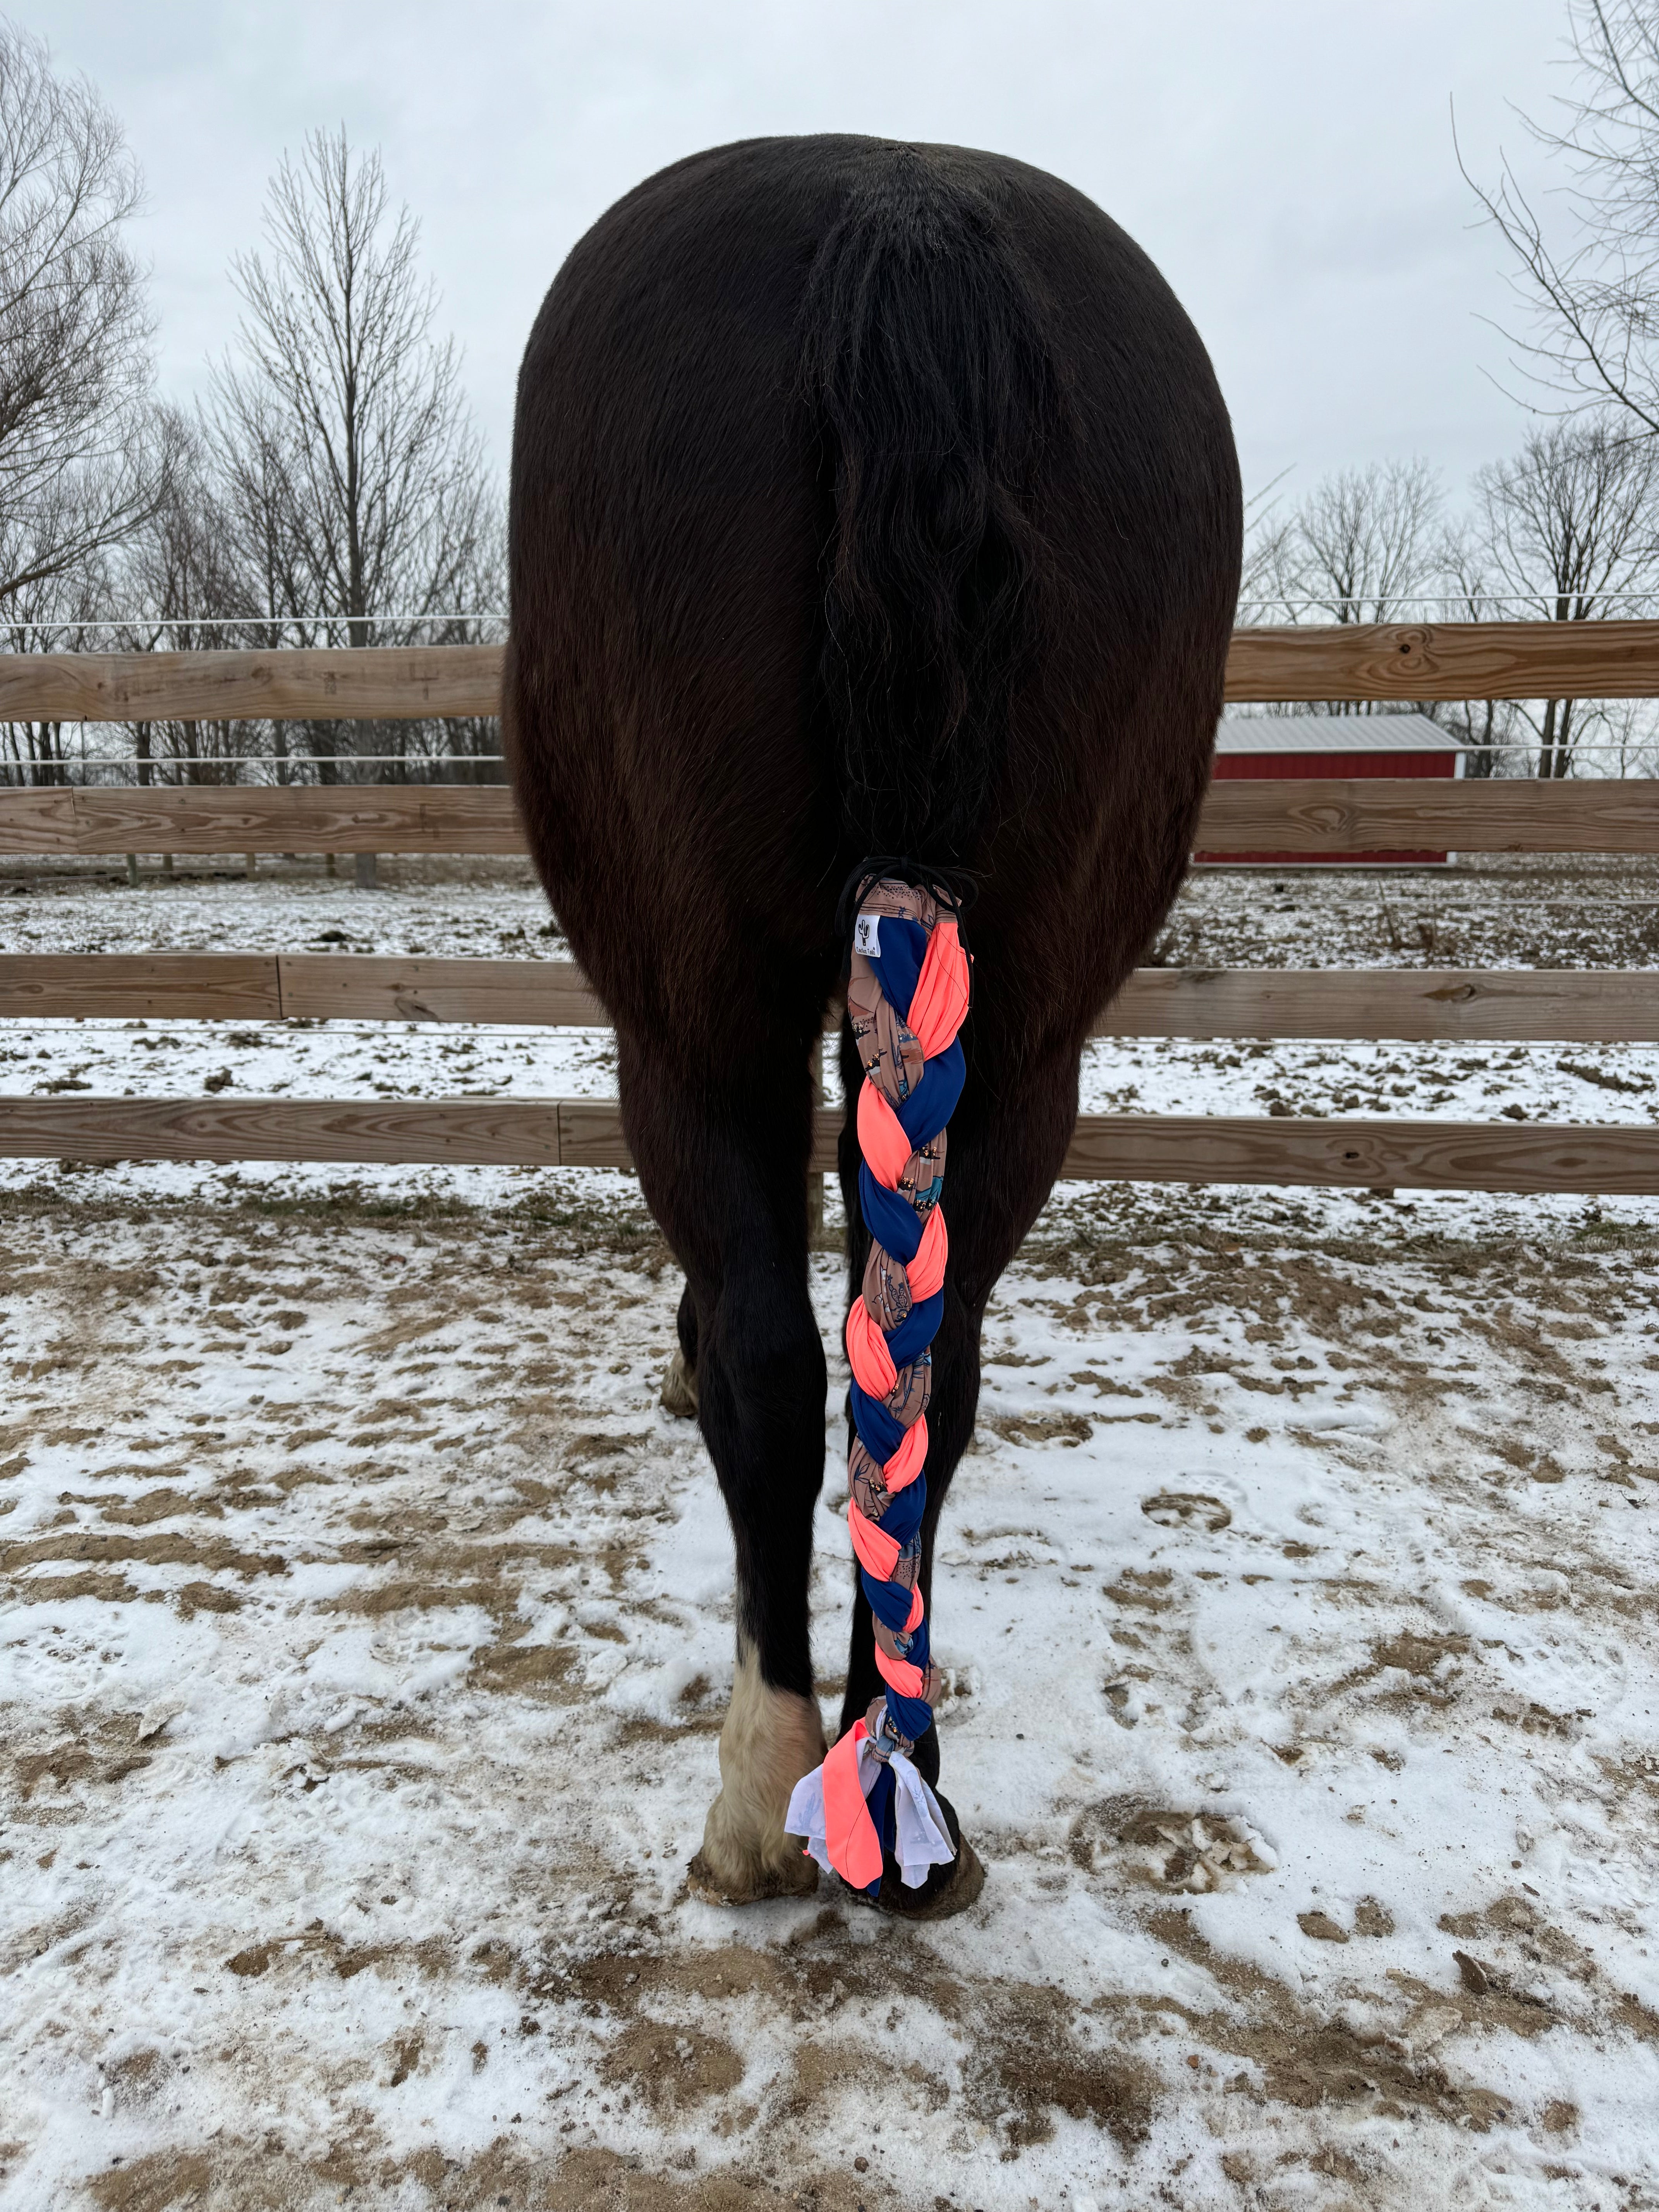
{"type": "Point", "coordinates": [866, 498]}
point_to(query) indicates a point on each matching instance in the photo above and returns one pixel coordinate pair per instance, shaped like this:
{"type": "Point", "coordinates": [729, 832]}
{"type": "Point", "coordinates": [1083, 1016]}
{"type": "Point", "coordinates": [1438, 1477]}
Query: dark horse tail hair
{"type": "Point", "coordinates": [933, 392]}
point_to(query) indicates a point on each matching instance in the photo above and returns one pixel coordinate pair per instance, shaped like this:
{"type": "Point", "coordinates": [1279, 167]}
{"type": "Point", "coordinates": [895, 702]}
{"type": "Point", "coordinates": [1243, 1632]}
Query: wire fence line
{"type": "Point", "coordinates": [256, 772]}
{"type": "Point", "coordinates": [128, 625]}
{"type": "Point", "coordinates": [1536, 606]}
{"type": "Point", "coordinates": [84, 770]}
{"type": "Point", "coordinates": [289, 760]}
{"type": "Point", "coordinates": [1620, 605]}
{"type": "Point", "coordinates": [245, 763]}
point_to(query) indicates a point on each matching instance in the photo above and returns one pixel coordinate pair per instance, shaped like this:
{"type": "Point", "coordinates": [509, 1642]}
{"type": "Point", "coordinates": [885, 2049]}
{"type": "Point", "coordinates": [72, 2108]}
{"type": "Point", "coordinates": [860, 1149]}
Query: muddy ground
{"type": "Point", "coordinates": [365, 1626]}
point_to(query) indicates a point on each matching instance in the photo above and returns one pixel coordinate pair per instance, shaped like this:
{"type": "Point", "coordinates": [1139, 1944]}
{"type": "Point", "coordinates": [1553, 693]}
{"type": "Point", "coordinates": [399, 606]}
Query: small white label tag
{"type": "Point", "coordinates": [866, 938]}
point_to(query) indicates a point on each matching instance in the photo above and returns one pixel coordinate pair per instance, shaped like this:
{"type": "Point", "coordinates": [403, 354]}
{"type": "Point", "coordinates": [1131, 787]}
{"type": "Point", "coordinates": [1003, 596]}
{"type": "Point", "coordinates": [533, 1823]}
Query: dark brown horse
{"type": "Point", "coordinates": [866, 498]}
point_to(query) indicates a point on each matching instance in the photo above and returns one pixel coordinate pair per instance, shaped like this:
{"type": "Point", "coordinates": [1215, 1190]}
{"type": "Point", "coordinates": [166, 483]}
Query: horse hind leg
{"type": "Point", "coordinates": [727, 1179]}
{"type": "Point", "coordinates": [761, 1382]}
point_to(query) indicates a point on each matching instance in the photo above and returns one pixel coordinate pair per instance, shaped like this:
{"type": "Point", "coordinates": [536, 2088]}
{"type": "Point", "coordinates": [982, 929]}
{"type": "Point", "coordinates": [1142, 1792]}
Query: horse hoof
{"type": "Point", "coordinates": [680, 1388]}
{"type": "Point", "coordinates": [961, 1886]}
{"type": "Point", "coordinates": [770, 1739]}
{"type": "Point", "coordinates": [796, 1877]}
{"type": "Point", "coordinates": [947, 1890]}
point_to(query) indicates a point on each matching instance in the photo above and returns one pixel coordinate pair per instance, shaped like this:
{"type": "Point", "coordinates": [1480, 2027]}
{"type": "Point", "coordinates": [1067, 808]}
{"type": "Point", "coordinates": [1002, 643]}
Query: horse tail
{"type": "Point", "coordinates": [934, 393]}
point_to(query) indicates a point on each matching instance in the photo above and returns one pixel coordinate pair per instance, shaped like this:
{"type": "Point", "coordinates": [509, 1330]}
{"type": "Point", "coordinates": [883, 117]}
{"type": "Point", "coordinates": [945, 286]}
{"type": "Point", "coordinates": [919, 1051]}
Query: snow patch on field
{"type": "Point", "coordinates": [366, 1627]}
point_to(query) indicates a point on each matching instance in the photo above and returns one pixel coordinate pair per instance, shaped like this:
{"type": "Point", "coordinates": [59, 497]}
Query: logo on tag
{"type": "Point", "coordinates": [866, 938]}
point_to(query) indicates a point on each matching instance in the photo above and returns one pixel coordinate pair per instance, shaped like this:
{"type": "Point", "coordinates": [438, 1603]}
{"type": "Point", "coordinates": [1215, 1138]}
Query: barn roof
{"type": "Point", "coordinates": [1334, 733]}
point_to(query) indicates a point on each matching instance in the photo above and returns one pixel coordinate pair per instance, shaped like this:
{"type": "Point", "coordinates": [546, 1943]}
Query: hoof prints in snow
{"type": "Point", "coordinates": [367, 1628]}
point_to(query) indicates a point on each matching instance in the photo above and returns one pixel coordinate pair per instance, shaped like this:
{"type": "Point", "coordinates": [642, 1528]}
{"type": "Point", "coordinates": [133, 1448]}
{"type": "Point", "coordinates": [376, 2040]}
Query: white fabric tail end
{"type": "Point", "coordinates": [923, 1840]}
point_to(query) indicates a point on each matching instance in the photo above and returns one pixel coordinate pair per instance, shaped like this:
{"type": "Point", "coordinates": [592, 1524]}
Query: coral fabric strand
{"type": "Point", "coordinates": [886, 1147]}
{"type": "Point", "coordinates": [940, 1004]}
{"type": "Point", "coordinates": [866, 1352]}
{"type": "Point", "coordinates": [926, 1270]}
{"type": "Point", "coordinates": [878, 1554]}
{"type": "Point", "coordinates": [905, 1466]}
{"type": "Point", "coordinates": [907, 997]}
{"type": "Point", "coordinates": [850, 1833]}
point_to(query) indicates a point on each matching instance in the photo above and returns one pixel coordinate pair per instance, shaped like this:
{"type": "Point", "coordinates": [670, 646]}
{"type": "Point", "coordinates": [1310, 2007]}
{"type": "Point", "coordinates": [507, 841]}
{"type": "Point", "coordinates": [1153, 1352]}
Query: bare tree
{"type": "Point", "coordinates": [1267, 532]}
{"type": "Point", "coordinates": [1630, 735]}
{"type": "Point", "coordinates": [352, 470]}
{"type": "Point", "coordinates": [179, 581]}
{"type": "Point", "coordinates": [1360, 545]}
{"type": "Point", "coordinates": [1563, 529]}
{"type": "Point", "coordinates": [47, 614]}
{"type": "Point", "coordinates": [1590, 280]}
{"type": "Point", "coordinates": [1468, 567]}
{"type": "Point", "coordinates": [79, 466]}
{"type": "Point", "coordinates": [1363, 540]}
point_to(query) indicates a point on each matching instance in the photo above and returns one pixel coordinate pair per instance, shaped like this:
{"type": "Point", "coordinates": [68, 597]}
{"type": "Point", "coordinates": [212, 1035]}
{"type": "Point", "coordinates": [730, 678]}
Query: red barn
{"type": "Point", "coordinates": [1337, 745]}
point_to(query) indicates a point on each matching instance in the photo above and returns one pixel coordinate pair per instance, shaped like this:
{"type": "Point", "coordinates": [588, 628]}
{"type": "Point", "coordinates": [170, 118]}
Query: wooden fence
{"type": "Point", "coordinates": [1334, 814]}
{"type": "Point", "coordinates": [1401, 663]}
{"type": "Point", "coordinates": [1406, 662]}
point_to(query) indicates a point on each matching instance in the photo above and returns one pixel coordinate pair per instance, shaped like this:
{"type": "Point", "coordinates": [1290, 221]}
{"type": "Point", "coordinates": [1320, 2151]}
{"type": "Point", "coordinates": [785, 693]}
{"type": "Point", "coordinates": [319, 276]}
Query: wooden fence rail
{"type": "Point", "coordinates": [1405, 662]}
{"type": "Point", "coordinates": [380, 684]}
{"type": "Point", "coordinates": [585, 1133]}
{"type": "Point", "coordinates": [1409, 662]}
{"type": "Point", "coordinates": [1605, 1005]}
{"type": "Point", "coordinates": [296, 818]}
{"type": "Point", "coordinates": [1312, 816]}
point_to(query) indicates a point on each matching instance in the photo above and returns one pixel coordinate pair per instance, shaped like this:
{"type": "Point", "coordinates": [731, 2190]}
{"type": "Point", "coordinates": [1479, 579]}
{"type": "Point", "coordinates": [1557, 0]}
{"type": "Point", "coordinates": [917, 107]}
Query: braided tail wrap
{"type": "Point", "coordinates": [907, 996]}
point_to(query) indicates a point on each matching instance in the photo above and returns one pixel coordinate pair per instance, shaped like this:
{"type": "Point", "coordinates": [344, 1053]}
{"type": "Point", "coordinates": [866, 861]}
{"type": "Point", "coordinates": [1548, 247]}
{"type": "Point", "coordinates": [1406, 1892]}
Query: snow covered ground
{"type": "Point", "coordinates": [366, 1624]}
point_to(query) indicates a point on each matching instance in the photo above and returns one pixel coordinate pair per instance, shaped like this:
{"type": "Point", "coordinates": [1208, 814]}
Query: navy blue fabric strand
{"type": "Point", "coordinates": [883, 1812]}
{"type": "Point", "coordinates": [890, 1603]}
{"type": "Point", "coordinates": [916, 1331]}
{"type": "Point", "coordinates": [903, 1515]}
{"type": "Point", "coordinates": [879, 1432]}
{"type": "Point", "coordinates": [933, 1101]}
{"type": "Point", "coordinates": [912, 1717]}
{"type": "Point", "coordinates": [892, 1220]}
{"type": "Point", "coordinates": [903, 949]}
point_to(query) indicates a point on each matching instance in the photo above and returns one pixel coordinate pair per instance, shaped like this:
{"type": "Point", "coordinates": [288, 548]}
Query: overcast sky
{"type": "Point", "coordinates": [1291, 168]}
